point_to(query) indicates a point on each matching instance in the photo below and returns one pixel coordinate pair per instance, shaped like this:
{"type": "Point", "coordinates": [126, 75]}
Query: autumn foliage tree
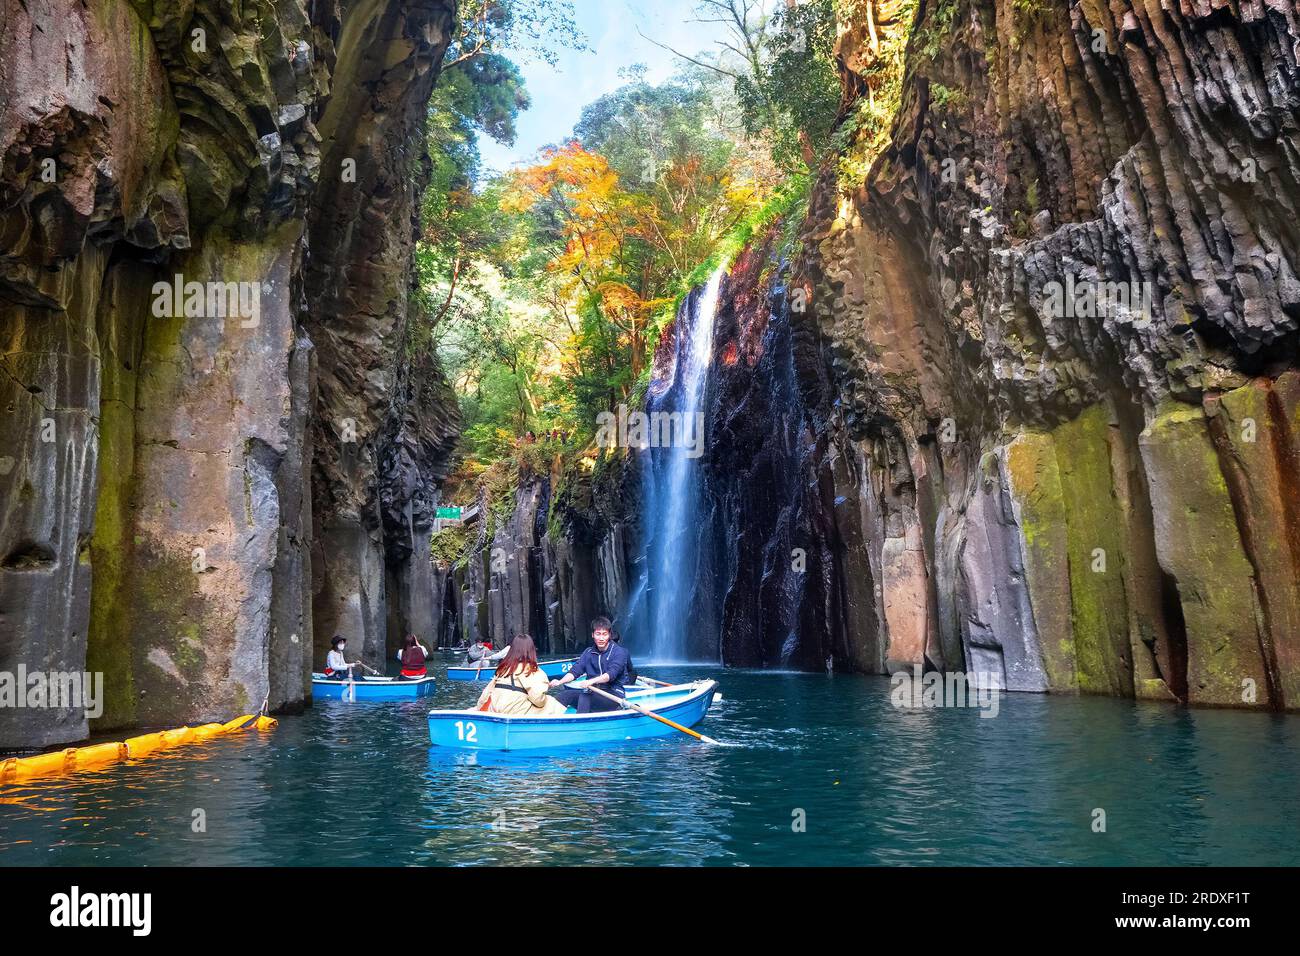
{"type": "Point", "coordinates": [618, 238]}
{"type": "Point", "coordinates": [597, 232]}
{"type": "Point", "coordinates": [565, 269]}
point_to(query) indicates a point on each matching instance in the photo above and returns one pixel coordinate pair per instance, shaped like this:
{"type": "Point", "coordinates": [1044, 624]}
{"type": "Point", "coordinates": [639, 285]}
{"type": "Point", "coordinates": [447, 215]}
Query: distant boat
{"type": "Point", "coordinates": [551, 669]}
{"type": "Point", "coordinates": [685, 704]}
{"type": "Point", "coordinates": [370, 688]}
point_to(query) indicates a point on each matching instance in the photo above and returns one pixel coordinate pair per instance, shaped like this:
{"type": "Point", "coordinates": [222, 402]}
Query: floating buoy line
{"type": "Point", "coordinates": [73, 759]}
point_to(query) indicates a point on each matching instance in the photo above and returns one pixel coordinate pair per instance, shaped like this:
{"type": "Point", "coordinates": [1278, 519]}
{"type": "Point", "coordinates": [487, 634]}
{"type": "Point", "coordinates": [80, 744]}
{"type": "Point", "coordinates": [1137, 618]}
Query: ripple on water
{"type": "Point", "coordinates": [352, 784]}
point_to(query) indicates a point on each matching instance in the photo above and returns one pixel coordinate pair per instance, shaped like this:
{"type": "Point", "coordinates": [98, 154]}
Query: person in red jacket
{"type": "Point", "coordinates": [412, 657]}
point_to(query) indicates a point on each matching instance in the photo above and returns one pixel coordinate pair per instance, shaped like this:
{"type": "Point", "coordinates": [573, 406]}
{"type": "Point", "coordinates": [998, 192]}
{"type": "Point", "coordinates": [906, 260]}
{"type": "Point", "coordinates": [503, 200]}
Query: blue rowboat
{"type": "Point", "coordinates": [551, 669]}
{"type": "Point", "coordinates": [370, 688]}
{"type": "Point", "coordinates": [475, 730]}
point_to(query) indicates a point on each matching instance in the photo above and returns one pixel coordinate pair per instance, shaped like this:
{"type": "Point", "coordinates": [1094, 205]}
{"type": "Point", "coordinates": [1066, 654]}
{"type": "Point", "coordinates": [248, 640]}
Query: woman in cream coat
{"type": "Point", "coordinates": [519, 688]}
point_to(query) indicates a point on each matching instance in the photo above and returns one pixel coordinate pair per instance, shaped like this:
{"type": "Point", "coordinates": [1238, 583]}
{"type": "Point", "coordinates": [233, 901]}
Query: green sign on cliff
{"type": "Point", "coordinates": [453, 513]}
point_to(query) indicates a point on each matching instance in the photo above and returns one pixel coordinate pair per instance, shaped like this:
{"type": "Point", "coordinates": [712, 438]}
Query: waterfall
{"type": "Point", "coordinates": [672, 476]}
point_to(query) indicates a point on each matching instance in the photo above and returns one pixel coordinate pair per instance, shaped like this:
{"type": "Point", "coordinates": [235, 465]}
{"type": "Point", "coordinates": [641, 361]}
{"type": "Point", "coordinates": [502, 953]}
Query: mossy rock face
{"type": "Point", "coordinates": [1035, 487]}
{"type": "Point", "coordinates": [450, 545]}
{"type": "Point", "coordinates": [1073, 533]}
{"type": "Point", "coordinates": [1153, 688]}
{"type": "Point", "coordinates": [1256, 437]}
{"type": "Point", "coordinates": [170, 620]}
{"type": "Point", "coordinates": [1096, 555]}
{"type": "Point", "coordinates": [109, 639]}
{"type": "Point", "coordinates": [1198, 544]}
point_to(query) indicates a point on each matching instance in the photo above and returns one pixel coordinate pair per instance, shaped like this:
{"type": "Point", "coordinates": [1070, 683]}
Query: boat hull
{"type": "Point", "coordinates": [372, 688]}
{"type": "Point", "coordinates": [551, 669]}
{"type": "Point", "coordinates": [475, 730]}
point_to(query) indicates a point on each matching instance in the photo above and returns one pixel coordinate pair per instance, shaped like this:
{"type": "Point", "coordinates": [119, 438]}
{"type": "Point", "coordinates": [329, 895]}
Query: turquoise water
{"type": "Point", "coordinates": [359, 784]}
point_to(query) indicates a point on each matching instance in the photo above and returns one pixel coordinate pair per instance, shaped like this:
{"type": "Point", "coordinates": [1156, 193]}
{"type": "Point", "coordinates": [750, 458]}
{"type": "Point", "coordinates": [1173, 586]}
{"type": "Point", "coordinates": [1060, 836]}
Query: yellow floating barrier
{"type": "Point", "coordinates": [144, 744]}
{"type": "Point", "coordinates": [208, 730]}
{"type": "Point", "coordinates": [72, 759]}
{"type": "Point", "coordinates": [58, 761]}
{"type": "Point", "coordinates": [174, 738]}
{"type": "Point", "coordinates": [99, 755]}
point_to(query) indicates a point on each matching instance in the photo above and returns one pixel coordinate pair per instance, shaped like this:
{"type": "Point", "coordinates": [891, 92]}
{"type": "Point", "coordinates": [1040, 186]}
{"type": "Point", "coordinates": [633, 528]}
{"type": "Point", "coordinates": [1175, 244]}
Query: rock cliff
{"type": "Point", "coordinates": [553, 552]}
{"type": "Point", "coordinates": [1058, 318]}
{"type": "Point", "coordinates": [218, 450]}
{"type": "Point", "coordinates": [1023, 401]}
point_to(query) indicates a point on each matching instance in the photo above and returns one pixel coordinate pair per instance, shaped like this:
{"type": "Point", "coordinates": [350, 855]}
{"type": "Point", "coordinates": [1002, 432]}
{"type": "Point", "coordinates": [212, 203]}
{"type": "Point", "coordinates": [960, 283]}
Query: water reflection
{"type": "Point", "coordinates": [359, 784]}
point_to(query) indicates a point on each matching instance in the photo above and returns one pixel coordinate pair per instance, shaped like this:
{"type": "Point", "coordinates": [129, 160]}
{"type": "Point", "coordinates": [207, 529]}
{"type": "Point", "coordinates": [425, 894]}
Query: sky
{"type": "Point", "coordinates": [559, 93]}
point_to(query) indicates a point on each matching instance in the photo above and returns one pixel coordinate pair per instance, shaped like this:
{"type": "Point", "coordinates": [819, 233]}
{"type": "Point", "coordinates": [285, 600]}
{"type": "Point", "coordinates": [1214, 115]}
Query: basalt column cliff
{"type": "Point", "coordinates": [192, 497]}
{"type": "Point", "coordinates": [1061, 439]}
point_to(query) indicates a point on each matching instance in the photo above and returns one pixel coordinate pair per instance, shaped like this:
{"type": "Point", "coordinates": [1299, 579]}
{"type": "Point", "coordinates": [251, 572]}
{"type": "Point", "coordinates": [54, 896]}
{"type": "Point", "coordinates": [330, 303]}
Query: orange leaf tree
{"type": "Point", "coordinates": [599, 258]}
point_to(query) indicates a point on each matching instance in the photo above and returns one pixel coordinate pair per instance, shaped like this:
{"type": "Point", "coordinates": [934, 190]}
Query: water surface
{"type": "Point", "coordinates": [359, 784]}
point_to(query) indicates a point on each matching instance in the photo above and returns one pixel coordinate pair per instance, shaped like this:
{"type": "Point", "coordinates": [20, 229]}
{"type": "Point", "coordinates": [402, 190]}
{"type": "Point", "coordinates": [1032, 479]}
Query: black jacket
{"type": "Point", "coordinates": [613, 660]}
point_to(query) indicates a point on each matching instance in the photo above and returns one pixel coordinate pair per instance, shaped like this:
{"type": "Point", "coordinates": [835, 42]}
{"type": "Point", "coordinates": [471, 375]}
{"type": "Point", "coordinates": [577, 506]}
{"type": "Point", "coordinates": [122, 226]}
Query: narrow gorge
{"type": "Point", "coordinates": [926, 448]}
{"type": "Point", "coordinates": [1010, 390]}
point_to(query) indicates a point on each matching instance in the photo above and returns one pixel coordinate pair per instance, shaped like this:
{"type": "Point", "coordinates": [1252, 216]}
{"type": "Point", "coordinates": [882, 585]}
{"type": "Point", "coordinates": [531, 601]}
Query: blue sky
{"type": "Point", "coordinates": [559, 93]}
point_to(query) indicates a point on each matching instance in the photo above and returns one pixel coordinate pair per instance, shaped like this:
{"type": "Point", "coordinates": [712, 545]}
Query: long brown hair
{"type": "Point", "coordinates": [521, 657]}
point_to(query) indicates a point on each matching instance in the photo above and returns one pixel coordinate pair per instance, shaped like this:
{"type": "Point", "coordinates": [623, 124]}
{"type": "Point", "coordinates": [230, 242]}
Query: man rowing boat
{"type": "Point", "coordinates": [604, 664]}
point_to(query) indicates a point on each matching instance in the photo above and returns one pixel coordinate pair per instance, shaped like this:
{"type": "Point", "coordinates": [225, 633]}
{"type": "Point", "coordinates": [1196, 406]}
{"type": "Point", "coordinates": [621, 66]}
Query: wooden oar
{"type": "Point", "coordinates": [624, 702]}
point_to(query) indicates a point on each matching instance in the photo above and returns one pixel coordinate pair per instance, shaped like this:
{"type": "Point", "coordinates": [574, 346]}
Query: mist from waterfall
{"type": "Point", "coordinates": [672, 476]}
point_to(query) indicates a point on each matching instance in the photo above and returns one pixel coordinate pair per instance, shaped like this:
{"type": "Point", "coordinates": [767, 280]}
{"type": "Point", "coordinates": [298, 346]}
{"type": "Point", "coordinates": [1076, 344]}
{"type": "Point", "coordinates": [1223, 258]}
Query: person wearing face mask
{"type": "Point", "coordinates": [336, 665]}
{"type": "Point", "coordinates": [484, 652]}
{"type": "Point", "coordinates": [604, 664]}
